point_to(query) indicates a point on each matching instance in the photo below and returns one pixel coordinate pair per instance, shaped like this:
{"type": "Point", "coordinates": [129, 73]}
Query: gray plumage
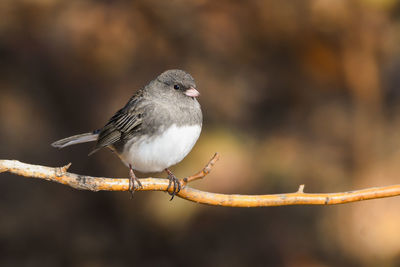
{"type": "Point", "coordinates": [150, 111]}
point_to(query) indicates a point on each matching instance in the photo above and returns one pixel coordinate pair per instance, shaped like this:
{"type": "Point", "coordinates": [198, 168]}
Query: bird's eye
{"type": "Point", "coordinates": [176, 87]}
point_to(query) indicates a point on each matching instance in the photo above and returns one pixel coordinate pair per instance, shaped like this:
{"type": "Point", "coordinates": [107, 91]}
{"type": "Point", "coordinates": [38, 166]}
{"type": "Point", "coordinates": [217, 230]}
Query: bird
{"type": "Point", "coordinates": [155, 130]}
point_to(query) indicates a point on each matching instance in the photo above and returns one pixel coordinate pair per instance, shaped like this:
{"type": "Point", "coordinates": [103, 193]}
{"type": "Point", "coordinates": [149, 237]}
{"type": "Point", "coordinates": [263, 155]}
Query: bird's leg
{"type": "Point", "coordinates": [132, 179]}
{"type": "Point", "coordinates": [173, 180]}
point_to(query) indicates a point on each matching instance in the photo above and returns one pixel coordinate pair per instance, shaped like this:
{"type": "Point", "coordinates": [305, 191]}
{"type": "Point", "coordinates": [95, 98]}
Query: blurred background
{"type": "Point", "coordinates": [292, 92]}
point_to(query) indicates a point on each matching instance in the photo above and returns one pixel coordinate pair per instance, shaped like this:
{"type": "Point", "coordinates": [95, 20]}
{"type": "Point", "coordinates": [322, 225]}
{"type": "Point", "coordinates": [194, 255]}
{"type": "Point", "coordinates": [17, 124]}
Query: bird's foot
{"type": "Point", "coordinates": [173, 180]}
{"type": "Point", "coordinates": [132, 179]}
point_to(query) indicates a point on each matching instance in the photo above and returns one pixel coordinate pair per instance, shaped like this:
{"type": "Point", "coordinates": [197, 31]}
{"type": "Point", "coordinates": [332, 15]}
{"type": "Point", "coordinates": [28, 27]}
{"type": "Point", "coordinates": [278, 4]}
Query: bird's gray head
{"type": "Point", "coordinates": [178, 83]}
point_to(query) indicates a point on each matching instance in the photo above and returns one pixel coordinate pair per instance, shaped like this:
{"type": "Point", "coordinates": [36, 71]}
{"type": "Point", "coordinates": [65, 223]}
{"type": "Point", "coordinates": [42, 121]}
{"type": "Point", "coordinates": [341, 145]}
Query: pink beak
{"type": "Point", "coordinates": [192, 92]}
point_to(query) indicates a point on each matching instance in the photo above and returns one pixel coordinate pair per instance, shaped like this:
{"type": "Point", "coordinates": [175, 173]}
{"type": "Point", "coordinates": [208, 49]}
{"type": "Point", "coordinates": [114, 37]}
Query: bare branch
{"type": "Point", "coordinates": [84, 182]}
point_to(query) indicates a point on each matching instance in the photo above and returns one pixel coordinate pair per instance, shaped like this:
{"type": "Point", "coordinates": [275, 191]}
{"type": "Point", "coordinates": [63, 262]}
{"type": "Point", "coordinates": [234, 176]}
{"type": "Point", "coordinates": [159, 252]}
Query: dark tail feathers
{"type": "Point", "coordinates": [76, 139]}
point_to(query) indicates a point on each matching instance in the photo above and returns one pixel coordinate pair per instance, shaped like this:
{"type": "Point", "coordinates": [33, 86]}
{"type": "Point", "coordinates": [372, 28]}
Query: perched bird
{"type": "Point", "coordinates": [156, 129]}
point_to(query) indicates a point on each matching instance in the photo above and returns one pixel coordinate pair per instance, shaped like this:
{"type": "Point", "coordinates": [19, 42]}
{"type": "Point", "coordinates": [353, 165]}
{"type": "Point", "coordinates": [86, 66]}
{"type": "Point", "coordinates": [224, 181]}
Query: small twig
{"type": "Point", "coordinates": [201, 174]}
{"type": "Point", "coordinates": [83, 182]}
{"type": "Point", "coordinates": [301, 189]}
{"type": "Point", "coordinates": [62, 170]}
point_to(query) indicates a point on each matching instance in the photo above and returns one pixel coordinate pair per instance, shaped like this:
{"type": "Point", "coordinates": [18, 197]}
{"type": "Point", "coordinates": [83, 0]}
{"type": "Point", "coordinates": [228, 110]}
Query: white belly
{"type": "Point", "coordinates": [157, 153]}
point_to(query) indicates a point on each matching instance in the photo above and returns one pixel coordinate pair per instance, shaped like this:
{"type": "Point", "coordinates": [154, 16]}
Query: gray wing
{"type": "Point", "coordinates": [124, 124]}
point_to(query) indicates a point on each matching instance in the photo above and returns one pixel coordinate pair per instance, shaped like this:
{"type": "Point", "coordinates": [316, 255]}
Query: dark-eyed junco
{"type": "Point", "coordinates": [156, 129]}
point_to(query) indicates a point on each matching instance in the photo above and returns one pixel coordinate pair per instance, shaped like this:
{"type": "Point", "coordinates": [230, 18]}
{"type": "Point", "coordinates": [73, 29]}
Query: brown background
{"type": "Point", "coordinates": [292, 92]}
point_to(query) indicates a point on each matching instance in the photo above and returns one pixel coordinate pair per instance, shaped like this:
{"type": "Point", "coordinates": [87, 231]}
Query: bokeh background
{"type": "Point", "coordinates": [292, 92]}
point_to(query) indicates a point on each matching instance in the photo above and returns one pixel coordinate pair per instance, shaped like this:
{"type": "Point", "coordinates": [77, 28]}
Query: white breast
{"type": "Point", "coordinates": [157, 153]}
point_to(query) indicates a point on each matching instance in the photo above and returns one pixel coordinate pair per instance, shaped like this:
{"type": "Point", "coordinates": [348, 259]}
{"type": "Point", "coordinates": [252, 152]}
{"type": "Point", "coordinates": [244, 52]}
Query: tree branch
{"type": "Point", "coordinates": [84, 182]}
